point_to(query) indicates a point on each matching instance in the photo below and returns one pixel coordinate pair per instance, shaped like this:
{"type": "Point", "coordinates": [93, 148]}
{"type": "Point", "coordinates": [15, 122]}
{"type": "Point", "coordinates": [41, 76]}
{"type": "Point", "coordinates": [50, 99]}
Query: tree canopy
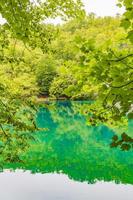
{"type": "Point", "coordinates": [127, 21]}
{"type": "Point", "coordinates": [24, 17]}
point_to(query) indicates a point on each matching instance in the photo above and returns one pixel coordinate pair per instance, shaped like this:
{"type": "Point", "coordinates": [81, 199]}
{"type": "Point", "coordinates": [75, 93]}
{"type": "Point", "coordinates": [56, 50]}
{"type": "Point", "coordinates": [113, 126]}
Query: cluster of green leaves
{"type": "Point", "coordinates": [72, 82]}
{"type": "Point", "coordinates": [45, 73]}
{"type": "Point", "coordinates": [24, 17]}
{"type": "Point", "coordinates": [127, 21]}
{"type": "Point", "coordinates": [114, 99]}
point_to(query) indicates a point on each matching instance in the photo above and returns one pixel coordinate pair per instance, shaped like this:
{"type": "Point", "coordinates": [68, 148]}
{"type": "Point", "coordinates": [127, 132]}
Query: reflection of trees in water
{"type": "Point", "coordinates": [125, 142]}
{"type": "Point", "coordinates": [72, 148]}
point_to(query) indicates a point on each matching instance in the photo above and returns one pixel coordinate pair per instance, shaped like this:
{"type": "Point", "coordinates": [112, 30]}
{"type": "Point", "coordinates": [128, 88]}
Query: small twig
{"type": "Point", "coordinates": [3, 130]}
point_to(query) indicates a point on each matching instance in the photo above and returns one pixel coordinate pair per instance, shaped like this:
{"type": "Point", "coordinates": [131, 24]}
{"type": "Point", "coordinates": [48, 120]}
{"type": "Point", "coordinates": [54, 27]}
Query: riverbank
{"type": "Point", "coordinates": [46, 98]}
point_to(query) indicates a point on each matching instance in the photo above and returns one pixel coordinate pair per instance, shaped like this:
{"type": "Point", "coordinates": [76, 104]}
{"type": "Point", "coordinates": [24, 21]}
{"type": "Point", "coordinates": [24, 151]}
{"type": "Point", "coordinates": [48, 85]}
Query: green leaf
{"type": "Point", "coordinates": [130, 36]}
{"type": "Point", "coordinates": [125, 23]}
{"type": "Point", "coordinates": [119, 5]}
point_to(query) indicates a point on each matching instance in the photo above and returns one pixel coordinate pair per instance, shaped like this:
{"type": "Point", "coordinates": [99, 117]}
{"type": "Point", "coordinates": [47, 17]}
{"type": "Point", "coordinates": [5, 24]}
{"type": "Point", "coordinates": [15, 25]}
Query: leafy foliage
{"type": "Point", "coordinates": [24, 17]}
{"type": "Point", "coordinates": [46, 72]}
{"type": "Point", "coordinates": [127, 21]}
{"type": "Point", "coordinates": [21, 38]}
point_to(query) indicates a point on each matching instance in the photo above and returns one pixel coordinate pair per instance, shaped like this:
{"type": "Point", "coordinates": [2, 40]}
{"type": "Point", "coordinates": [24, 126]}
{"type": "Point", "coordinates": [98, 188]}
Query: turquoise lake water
{"type": "Point", "coordinates": [74, 158]}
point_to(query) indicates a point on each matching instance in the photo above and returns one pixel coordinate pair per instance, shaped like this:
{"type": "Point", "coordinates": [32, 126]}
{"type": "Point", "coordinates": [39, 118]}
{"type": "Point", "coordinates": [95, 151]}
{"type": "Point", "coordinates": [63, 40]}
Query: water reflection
{"type": "Point", "coordinates": [75, 149]}
{"type": "Point", "coordinates": [125, 142]}
{"type": "Point", "coordinates": [25, 186]}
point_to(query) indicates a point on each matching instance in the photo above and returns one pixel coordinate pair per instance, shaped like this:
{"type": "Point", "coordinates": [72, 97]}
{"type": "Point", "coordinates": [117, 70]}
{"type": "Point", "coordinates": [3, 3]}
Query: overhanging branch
{"type": "Point", "coordinates": [121, 86]}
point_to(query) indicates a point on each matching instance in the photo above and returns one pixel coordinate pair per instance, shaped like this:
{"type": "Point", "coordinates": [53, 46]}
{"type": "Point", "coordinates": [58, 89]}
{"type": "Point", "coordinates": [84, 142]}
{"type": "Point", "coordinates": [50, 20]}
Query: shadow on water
{"type": "Point", "coordinates": [71, 147]}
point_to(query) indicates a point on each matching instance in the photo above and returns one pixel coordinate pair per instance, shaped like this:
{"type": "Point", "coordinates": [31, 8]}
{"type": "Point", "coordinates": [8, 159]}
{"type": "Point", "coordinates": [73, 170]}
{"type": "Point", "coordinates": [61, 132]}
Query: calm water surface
{"type": "Point", "coordinates": [70, 161]}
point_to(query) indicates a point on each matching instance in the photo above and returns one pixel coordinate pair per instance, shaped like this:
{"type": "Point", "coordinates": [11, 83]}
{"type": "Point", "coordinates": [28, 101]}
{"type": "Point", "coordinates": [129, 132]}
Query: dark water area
{"type": "Point", "coordinates": [71, 160]}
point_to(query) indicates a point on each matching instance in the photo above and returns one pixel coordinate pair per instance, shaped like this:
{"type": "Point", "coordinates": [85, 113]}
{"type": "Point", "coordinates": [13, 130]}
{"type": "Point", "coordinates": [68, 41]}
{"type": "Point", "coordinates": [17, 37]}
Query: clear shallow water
{"type": "Point", "coordinates": [80, 152]}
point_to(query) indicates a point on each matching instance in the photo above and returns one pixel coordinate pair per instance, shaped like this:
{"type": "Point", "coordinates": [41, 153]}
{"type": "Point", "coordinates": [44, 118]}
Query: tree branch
{"type": "Point", "coordinates": [122, 58]}
{"type": "Point", "coordinates": [121, 86]}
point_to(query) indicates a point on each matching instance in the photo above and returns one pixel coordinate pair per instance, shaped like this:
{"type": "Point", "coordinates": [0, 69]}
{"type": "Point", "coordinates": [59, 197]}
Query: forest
{"type": "Point", "coordinates": [84, 58]}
